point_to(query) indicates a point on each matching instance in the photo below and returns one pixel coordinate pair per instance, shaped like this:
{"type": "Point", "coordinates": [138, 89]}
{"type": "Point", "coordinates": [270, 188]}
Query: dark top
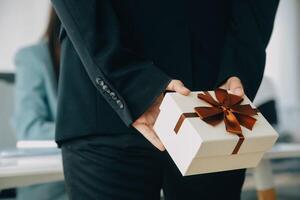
{"type": "Point", "coordinates": [119, 55]}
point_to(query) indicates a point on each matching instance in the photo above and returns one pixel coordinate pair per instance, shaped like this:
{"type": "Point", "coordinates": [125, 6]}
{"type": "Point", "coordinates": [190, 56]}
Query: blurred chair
{"type": "Point", "coordinates": [265, 101]}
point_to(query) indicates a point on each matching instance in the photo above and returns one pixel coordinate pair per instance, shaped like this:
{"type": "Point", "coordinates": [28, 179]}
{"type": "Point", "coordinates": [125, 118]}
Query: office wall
{"type": "Point", "coordinates": [22, 22]}
{"type": "Point", "coordinates": [283, 64]}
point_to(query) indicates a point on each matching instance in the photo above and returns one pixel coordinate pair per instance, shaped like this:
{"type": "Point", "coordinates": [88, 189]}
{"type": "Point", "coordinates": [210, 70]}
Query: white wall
{"type": "Point", "coordinates": [283, 64]}
{"type": "Point", "coordinates": [22, 22]}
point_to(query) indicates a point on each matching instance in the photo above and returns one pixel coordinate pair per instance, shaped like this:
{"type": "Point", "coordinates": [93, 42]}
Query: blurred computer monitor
{"type": "Point", "coordinates": [7, 135]}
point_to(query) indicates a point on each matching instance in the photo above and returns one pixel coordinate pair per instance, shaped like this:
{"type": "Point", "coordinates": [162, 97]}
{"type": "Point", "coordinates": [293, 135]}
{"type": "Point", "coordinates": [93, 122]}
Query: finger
{"type": "Point", "coordinates": [157, 102]}
{"type": "Point", "coordinates": [234, 85]}
{"type": "Point", "coordinates": [151, 116]}
{"type": "Point", "coordinates": [152, 113]}
{"type": "Point", "coordinates": [150, 135]}
{"type": "Point", "coordinates": [178, 86]}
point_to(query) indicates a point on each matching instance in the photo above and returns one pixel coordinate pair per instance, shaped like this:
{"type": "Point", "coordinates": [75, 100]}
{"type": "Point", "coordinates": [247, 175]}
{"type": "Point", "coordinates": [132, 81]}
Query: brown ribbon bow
{"type": "Point", "coordinates": [227, 108]}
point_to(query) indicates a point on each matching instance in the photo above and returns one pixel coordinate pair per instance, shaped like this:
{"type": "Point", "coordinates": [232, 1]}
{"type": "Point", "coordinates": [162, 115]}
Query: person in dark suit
{"type": "Point", "coordinates": [118, 58]}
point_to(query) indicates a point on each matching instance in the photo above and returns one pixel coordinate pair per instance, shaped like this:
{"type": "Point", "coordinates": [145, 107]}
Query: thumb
{"type": "Point", "coordinates": [234, 86]}
{"type": "Point", "coordinates": [178, 86]}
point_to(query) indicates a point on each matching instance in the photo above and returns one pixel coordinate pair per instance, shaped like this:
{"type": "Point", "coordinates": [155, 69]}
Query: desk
{"type": "Point", "coordinates": [263, 175]}
{"type": "Point", "coordinates": [16, 172]}
{"type": "Point", "coordinates": [24, 171]}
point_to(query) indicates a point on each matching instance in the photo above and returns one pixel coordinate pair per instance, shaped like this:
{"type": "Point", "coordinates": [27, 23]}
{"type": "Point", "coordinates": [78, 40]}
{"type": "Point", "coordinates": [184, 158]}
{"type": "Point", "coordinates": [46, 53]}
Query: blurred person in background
{"type": "Point", "coordinates": [37, 70]}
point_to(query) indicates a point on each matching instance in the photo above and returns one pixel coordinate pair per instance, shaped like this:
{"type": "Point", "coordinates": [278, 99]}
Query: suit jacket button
{"type": "Point", "coordinates": [99, 81]}
{"type": "Point", "coordinates": [120, 104]}
{"type": "Point", "coordinates": [113, 96]}
{"type": "Point", "coordinates": [104, 87]}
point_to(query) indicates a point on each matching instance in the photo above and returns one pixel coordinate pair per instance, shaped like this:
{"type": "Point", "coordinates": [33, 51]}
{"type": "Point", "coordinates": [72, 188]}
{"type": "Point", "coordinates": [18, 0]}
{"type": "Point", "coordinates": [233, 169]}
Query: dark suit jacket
{"type": "Point", "coordinates": [119, 55]}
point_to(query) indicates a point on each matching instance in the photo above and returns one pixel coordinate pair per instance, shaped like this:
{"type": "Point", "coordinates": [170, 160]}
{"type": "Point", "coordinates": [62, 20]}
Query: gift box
{"type": "Point", "coordinates": [213, 131]}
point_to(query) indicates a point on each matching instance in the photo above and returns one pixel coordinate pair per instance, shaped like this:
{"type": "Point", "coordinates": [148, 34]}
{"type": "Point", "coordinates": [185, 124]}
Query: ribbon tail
{"type": "Point", "coordinates": [231, 123]}
{"type": "Point", "coordinates": [182, 117]}
{"type": "Point", "coordinates": [239, 144]}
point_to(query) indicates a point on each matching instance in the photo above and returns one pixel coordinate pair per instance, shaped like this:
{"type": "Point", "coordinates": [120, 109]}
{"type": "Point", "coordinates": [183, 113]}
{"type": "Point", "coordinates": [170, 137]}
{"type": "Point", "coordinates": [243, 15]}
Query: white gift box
{"type": "Point", "coordinates": [199, 147]}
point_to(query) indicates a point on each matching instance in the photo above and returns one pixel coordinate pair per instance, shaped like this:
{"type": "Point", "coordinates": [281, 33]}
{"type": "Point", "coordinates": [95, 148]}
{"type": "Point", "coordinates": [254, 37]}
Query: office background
{"type": "Point", "coordinates": [24, 22]}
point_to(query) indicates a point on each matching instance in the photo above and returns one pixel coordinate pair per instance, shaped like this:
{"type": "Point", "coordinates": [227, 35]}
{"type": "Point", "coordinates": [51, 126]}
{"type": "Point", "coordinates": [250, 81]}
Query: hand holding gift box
{"type": "Point", "coordinates": [213, 131]}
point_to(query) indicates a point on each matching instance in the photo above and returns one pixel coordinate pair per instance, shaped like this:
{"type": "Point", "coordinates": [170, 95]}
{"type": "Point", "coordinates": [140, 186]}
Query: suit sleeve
{"type": "Point", "coordinates": [127, 81]}
{"type": "Point", "coordinates": [247, 37]}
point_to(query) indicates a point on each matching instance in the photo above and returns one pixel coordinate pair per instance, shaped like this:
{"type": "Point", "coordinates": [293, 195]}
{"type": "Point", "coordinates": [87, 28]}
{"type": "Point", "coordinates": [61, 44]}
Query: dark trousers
{"type": "Point", "coordinates": [121, 167]}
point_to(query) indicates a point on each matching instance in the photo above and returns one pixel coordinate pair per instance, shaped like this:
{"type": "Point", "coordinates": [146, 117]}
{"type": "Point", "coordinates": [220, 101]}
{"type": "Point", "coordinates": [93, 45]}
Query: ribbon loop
{"type": "Point", "coordinates": [208, 98]}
